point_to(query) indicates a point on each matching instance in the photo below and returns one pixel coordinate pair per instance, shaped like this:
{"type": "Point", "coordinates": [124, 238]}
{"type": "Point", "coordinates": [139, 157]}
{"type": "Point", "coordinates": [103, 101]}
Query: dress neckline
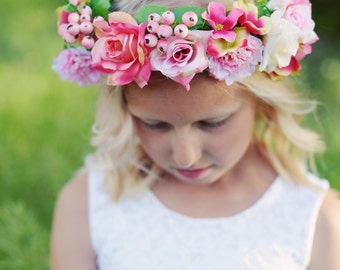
{"type": "Point", "coordinates": [249, 211]}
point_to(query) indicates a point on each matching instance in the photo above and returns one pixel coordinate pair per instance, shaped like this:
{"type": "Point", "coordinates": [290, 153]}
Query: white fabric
{"type": "Point", "coordinates": [275, 233]}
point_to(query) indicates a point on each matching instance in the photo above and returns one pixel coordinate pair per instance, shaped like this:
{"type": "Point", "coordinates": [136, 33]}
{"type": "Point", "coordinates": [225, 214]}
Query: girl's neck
{"type": "Point", "coordinates": [236, 191]}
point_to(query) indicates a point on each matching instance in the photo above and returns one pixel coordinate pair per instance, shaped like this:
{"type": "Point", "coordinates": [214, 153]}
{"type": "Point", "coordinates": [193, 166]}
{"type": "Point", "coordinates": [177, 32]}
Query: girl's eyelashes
{"type": "Point", "coordinates": [157, 125]}
{"type": "Point", "coordinates": [203, 124]}
{"type": "Point", "coordinates": [211, 124]}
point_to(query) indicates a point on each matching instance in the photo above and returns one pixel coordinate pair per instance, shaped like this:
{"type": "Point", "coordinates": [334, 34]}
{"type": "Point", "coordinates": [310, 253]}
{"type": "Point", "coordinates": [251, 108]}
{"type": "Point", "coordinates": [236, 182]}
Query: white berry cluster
{"type": "Point", "coordinates": [78, 28]}
{"type": "Point", "coordinates": [160, 28]}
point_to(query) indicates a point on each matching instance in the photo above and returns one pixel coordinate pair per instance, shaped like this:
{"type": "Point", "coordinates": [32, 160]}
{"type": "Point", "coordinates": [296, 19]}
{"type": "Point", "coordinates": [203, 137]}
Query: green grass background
{"type": "Point", "coordinates": [45, 125]}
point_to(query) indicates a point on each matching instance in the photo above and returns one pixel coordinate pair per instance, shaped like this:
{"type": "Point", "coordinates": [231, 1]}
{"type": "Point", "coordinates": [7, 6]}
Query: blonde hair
{"type": "Point", "coordinates": [287, 145]}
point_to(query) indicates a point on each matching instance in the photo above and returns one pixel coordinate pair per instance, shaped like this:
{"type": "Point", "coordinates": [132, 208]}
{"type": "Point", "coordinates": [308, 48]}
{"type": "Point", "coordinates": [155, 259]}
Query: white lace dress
{"type": "Point", "coordinates": [275, 233]}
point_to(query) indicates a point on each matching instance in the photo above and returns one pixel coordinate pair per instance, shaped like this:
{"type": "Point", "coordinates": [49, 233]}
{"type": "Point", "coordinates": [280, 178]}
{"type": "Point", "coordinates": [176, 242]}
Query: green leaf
{"type": "Point", "coordinates": [100, 8]}
{"type": "Point", "coordinates": [201, 23]}
{"type": "Point", "coordinates": [143, 14]}
{"type": "Point", "coordinates": [70, 8]}
{"type": "Point", "coordinates": [262, 8]}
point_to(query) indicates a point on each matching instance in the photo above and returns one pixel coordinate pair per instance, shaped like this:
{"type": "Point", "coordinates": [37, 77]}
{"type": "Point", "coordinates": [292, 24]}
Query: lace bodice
{"type": "Point", "coordinates": [275, 233]}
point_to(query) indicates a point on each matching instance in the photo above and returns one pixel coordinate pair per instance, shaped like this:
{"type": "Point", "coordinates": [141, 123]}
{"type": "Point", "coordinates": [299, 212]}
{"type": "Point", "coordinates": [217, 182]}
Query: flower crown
{"type": "Point", "coordinates": [271, 36]}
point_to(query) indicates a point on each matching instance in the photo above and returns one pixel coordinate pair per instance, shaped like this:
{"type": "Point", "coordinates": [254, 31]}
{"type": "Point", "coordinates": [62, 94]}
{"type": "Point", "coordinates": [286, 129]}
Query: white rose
{"type": "Point", "coordinates": [281, 43]}
{"type": "Point", "coordinates": [277, 4]}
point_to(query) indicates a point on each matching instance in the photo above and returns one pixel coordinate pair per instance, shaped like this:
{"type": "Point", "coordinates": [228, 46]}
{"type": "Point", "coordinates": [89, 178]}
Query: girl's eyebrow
{"type": "Point", "coordinates": [209, 118]}
{"type": "Point", "coordinates": [224, 115]}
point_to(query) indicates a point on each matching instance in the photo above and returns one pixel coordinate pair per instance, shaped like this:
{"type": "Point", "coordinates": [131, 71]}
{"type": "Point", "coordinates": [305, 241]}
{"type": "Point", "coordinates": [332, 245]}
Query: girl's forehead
{"type": "Point", "coordinates": [165, 98]}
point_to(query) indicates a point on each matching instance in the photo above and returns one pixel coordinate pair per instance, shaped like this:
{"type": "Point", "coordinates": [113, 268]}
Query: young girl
{"type": "Point", "coordinates": [201, 162]}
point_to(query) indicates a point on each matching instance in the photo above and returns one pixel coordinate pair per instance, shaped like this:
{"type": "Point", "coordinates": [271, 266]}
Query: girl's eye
{"type": "Point", "coordinates": [157, 126]}
{"type": "Point", "coordinates": [211, 125]}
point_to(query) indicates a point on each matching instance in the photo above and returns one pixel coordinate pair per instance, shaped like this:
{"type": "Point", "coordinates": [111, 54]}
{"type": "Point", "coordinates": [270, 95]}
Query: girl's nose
{"type": "Point", "coordinates": [186, 150]}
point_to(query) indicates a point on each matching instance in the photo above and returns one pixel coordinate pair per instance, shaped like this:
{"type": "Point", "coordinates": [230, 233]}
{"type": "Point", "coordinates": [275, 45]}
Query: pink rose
{"type": "Point", "coordinates": [238, 64]}
{"type": "Point", "coordinates": [182, 60]}
{"type": "Point", "coordinates": [120, 50]}
{"type": "Point", "coordinates": [74, 64]}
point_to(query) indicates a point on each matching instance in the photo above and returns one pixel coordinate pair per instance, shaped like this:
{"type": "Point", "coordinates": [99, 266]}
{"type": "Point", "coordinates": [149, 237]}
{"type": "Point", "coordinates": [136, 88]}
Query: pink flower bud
{"type": "Point", "coordinates": [73, 29]}
{"type": "Point", "coordinates": [86, 28]}
{"type": "Point", "coordinates": [68, 38]}
{"type": "Point", "coordinates": [62, 28]}
{"type": "Point", "coordinates": [150, 40]}
{"type": "Point", "coordinates": [73, 17]}
{"type": "Point", "coordinates": [163, 45]}
{"type": "Point", "coordinates": [87, 42]}
{"type": "Point", "coordinates": [189, 18]}
{"type": "Point", "coordinates": [85, 18]}
{"type": "Point", "coordinates": [74, 2]}
{"type": "Point", "coordinates": [98, 19]}
{"type": "Point", "coordinates": [168, 17]}
{"type": "Point", "coordinates": [152, 27]}
{"type": "Point", "coordinates": [154, 17]}
{"type": "Point", "coordinates": [181, 30]}
{"type": "Point", "coordinates": [86, 10]}
{"type": "Point", "coordinates": [164, 31]}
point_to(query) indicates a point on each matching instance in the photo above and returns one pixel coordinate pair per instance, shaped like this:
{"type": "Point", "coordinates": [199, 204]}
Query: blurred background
{"type": "Point", "coordinates": [45, 122]}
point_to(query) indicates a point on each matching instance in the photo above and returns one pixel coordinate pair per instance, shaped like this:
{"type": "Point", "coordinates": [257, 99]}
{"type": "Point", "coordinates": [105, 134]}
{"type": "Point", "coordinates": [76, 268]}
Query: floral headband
{"type": "Point", "coordinates": [271, 36]}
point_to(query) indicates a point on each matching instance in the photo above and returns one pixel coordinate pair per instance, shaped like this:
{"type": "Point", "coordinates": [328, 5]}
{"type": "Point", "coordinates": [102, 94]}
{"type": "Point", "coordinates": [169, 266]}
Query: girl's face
{"type": "Point", "coordinates": [197, 136]}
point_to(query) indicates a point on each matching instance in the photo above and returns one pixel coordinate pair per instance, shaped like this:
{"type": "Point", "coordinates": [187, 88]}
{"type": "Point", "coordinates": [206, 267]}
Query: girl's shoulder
{"type": "Point", "coordinates": [70, 242]}
{"type": "Point", "coordinates": [75, 189]}
{"type": "Point", "coordinates": [327, 234]}
{"type": "Point", "coordinates": [73, 197]}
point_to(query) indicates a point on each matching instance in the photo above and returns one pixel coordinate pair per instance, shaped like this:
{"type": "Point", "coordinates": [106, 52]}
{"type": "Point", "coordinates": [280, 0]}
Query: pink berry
{"type": "Point", "coordinates": [86, 10]}
{"type": "Point", "coordinates": [68, 38]}
{"type": "Point", "coordinates": [168, 17]}
{"type": "Point", "coordinates": [73, 17]}
{"type": "Point", "coordinates": [181, 30]}
{"type": "Point", "coordinates": [86, 28]}
{"type": "Point", "coordinates": [150, 40]}
{"type": "Point", "coordinates": [85, 18]}
{"type": "Point", "coordinates": [73, 29]}
{"type": "Point", "coordinates": [162, 45]}
{"type": "Point", "coordinates": [62, 28]}
{"type": "Point", "coordinates": [164, 31]}
{"type": "Point", "coordinates": [87, 42]}
{"type": "Point", "coordinates": [189, 18]}
{"type": "Point", "coordinates": [154, 17]}
{"type": "Point", "coordinates": [152, 27]}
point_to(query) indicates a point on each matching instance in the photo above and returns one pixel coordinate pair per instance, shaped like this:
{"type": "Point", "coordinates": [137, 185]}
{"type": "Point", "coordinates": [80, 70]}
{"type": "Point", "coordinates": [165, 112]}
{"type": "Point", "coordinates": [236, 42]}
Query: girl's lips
{"type": "Point", "coordinates": [192, 173]}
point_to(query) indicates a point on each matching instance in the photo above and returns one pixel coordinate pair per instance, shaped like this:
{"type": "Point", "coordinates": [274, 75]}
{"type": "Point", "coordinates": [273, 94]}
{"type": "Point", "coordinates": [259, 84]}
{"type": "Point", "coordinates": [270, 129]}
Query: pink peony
{"type": "Point", "coordinates": [182, 60]}
{"type": "Point", "coordinates": [74, 64]}
{"type": "Point", "coordinates": [239, 64]}
{"type": "Point", "coordinates": [120, 50]}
